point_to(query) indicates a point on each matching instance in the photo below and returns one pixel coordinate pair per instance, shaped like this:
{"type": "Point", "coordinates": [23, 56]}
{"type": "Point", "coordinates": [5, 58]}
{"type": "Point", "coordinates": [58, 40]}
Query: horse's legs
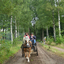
{"type": "Point", "coordinates": [28, 59]}
{"type": "Point", "coordinates": [29, 56]}
{"type": "Point", "coordinates": [25, 54]}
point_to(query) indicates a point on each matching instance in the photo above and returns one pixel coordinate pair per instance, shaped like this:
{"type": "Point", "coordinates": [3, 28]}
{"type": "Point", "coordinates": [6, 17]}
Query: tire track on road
{"type": "Point", "coordinates": [45, 57]}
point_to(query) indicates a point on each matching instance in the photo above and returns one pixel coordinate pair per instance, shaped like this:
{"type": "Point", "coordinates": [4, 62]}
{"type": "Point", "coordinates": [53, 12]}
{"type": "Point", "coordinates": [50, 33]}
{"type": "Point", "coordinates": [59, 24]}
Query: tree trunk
{"type": "Point", "coordinates": [47, 33]}
{"type": "Point", "coordinates": [34, 30]}
{"type": "Point", "coordinates": [42, 34]}
{"type": "Point", "coordinates": [54, 26]}
{"type": "Point", "coordinates": [11, 30]}
{"type": "Point", "coordinates": [59, 21]}
{"type": "Point", "coordinates": [3, 32]}
{"type": "Point", "coordinates": [15, 28]}
{"type": "Point", "coordinates": [18, 30]}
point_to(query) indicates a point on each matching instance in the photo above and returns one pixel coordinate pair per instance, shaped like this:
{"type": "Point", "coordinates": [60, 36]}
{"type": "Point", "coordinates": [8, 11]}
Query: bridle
{"type": "Point", "coordinates": [27, 43]}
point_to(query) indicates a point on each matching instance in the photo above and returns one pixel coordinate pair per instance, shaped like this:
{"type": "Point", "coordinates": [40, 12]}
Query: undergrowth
{"type": "Point", "coordinates": [7, 49]}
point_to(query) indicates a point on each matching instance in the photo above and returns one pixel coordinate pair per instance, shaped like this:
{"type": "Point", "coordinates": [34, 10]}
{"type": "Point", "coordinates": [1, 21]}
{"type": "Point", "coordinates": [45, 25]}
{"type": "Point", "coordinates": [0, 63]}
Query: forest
{"type": "Point", "coordinates": [44, 18]}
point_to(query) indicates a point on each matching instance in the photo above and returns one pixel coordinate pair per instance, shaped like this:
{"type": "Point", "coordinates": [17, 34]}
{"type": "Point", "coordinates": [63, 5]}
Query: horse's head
{"type": "Point", "coordinates": [27, 40]}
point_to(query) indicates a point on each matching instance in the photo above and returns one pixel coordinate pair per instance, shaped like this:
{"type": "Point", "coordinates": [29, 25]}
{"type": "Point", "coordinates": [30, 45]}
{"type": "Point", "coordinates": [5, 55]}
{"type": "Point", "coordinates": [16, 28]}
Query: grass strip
{"type": "Point", "coordinates": [56, 51]}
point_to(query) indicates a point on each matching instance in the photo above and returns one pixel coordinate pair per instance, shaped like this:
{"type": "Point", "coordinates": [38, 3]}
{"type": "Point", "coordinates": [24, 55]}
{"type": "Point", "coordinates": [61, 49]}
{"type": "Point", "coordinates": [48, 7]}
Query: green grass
{"type": "Point", "coordinates": [56, 51]}
{"type": "Point", "coordinates": [54, 44]}
{"type": "Point", "coordinates": [5, 54]}
{"type": "Point", "coordinates": [60, 46]}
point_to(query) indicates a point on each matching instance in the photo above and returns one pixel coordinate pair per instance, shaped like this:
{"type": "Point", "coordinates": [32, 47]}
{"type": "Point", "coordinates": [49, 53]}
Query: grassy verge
{"type": "Point", "coordinates": [53, 50]}
{"type": "Point", "coordinates": [54, 44]}
{"type": "Point", "coordinates": [60, 46]}
{"type": "Point", "coordinates": [7, 50]}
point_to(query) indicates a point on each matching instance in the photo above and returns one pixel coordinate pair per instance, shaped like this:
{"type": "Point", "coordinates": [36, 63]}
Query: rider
{"type": "Point", "coordinates": [33, 38]}
{"type": "Point", "coordinates": [26, 36]}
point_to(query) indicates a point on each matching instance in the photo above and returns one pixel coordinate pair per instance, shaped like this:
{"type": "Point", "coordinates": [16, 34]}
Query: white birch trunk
{"type": "Point", "coordinates": [59, 20]}
{"type": "Point", "coordinates": [54, 32]}
{"type": "Point", "coordinates": [59, 23]}
{"type": "Point", "coordinates": [11, 30]}
{"type": "Point", "coordinates": [15, 28]}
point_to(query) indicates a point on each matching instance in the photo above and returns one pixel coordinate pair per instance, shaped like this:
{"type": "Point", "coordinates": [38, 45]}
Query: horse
{"type": "Point", "coordinates": [27, 47]}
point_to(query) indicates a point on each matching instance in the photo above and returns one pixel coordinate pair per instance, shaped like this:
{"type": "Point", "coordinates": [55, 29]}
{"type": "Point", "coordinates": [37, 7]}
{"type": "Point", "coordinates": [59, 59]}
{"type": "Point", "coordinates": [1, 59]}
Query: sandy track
{"type": "Point", "coordinates": [44, 57]}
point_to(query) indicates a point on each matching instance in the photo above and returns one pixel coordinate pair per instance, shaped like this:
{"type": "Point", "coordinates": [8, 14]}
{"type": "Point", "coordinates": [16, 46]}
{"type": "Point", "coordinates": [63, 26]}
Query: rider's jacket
{"type": "Point", "coordinates": [33, 39]}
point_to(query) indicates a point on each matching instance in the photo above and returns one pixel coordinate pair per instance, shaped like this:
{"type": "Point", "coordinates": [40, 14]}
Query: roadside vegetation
{"type": "Point", "coordinates": [58, 43]}
{"type": "Point", "coordinates": [52, 49]}
{"type": "Point", "coordinates": [8, 50]}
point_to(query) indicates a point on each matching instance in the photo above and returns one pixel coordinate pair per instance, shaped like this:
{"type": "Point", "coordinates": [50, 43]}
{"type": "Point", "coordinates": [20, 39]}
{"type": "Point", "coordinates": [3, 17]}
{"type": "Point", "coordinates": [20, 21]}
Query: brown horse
{"type": "Point", "coordinates": [27, 49]}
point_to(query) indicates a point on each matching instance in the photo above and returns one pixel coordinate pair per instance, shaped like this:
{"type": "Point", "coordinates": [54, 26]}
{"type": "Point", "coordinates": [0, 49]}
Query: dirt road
{"type": "Point", "coordinates": [44, 57]}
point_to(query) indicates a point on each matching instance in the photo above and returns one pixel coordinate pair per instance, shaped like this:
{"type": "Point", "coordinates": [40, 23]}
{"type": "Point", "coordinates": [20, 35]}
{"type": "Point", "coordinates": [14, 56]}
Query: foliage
{"type": "Point", "coordinates": [50, 40]}
{"type": "Point", "coordinates": [59, 40]}
{"type": "Point", "coordinates": [23, 11]}
{"type": "Point", "coordinates": [7, 49]}
{"type": "Point", "coordinates": [38, 40]}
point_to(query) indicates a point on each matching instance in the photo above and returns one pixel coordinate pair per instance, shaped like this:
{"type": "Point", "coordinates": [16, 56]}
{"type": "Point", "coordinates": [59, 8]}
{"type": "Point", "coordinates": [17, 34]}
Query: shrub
{"type": "Point", "coordinates": [7, 49]}
{"type": "Point", "coordinates": [38, 40]}
{"type": "Point", "coordinates": [50, 40]}
{"type": "Point", "coordinates": [6, 46]}
{"type": "Point", "coordinates": [59, 40]}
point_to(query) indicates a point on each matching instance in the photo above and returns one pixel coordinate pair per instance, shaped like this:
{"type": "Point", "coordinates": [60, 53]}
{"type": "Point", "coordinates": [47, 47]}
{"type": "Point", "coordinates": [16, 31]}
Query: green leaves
{"type": "Point", "coordinates": [6, 7]}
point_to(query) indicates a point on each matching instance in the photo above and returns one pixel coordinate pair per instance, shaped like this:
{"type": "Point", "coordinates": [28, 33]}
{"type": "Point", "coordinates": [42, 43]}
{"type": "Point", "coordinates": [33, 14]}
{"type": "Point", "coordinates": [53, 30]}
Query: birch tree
{"type": "Point", "coordinates": [11, 30]}
{"type": "Point", "coordinates": [15, 28]}
{"type": "Point", "coordinates": [59, 17]}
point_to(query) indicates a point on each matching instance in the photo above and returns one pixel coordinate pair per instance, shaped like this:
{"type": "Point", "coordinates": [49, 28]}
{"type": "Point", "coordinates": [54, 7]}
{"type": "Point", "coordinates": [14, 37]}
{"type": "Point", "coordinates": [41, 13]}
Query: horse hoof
{"type": "Point", "coordinates": [28, 61]}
